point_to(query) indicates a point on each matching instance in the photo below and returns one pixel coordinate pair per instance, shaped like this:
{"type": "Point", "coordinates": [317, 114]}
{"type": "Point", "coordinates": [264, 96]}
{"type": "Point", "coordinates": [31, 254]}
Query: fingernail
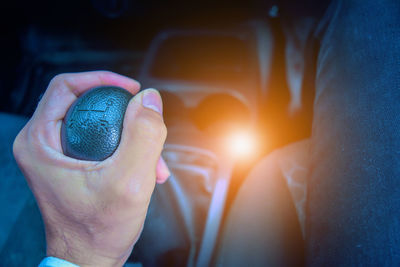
{"type": "Point", "coordinates": [152, 100]}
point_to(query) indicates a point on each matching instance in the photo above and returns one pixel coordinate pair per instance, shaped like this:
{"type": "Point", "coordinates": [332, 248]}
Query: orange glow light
{"type": "Point", "coordinates": [241, 144]}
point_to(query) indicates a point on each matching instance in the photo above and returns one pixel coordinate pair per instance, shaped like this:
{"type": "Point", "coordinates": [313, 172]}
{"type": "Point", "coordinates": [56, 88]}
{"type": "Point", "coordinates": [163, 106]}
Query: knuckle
{"type": "Point", "coordinates": [57, 81]}
{"type": "Point", "coordinates": [103, 74]}
{"type": "Point", "coordinates": [117, 189]}
{"type": "Point", "coordinates": [20, 149]}
{"type": "Point", "coordinates": [137, 196]}
{"type": "Point", "coordinates": [152, 126]}
{"type": "Point", "coordinates": [59, 78]}
{"type": "Point", "coordinates": [17, 147]}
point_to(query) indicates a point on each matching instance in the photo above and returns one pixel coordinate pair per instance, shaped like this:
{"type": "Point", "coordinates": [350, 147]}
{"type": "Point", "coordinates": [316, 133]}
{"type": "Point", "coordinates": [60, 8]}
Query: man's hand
{"type": "Point", "coordinates": [93, 211]}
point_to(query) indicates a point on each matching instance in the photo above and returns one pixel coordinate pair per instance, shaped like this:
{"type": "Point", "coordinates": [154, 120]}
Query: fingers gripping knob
{"type": "Point", "coordinates": [92, 127]}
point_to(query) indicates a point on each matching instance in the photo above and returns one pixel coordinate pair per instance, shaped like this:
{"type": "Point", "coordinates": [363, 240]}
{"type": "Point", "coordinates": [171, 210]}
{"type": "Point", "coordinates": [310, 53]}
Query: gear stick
{"type": "Point", "coordinates": [92, 127]}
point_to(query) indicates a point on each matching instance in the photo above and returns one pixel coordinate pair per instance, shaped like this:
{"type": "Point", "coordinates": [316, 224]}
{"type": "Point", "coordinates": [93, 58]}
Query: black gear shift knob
{"type": "Point", "coordinates": [92, 127]}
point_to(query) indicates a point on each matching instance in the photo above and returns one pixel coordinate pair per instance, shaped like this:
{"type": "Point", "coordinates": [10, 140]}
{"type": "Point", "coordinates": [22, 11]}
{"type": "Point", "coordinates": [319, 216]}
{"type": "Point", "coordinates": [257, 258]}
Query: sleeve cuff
{"type": "Point", "coordinates": [56, 262]}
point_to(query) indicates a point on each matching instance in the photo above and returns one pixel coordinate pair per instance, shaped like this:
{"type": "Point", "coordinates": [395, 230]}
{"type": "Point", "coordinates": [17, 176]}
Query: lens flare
{"type": "Point", "coordinates": [241, 144]}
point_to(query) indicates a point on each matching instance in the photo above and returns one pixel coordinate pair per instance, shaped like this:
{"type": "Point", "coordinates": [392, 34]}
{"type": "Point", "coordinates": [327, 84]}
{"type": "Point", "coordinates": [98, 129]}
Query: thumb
{"type": "Point", "coordinates": [143, 136]}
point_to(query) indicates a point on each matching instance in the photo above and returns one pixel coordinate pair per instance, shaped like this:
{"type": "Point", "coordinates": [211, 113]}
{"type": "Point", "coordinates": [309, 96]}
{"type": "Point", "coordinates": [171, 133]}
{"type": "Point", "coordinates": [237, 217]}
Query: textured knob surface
{"type": "Point", "coordinates": [92, 127]}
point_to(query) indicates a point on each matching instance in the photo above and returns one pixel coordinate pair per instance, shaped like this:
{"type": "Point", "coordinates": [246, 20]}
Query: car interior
{"type": "Point", "coordinates": [221, 70]}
